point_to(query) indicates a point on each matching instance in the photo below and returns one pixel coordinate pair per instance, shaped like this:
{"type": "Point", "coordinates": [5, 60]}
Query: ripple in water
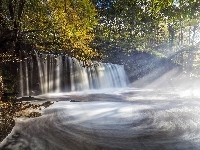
{"type": "Point", "coordinates": [167, 123]}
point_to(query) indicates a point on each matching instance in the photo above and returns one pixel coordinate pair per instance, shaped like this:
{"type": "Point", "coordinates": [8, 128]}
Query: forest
{"type": "Point", "coordinates": [102, 30]}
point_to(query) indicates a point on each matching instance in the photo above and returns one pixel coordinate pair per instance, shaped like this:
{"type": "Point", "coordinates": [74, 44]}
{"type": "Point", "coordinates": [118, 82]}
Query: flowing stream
{"type": "Point", "coordinates": [125, 119]}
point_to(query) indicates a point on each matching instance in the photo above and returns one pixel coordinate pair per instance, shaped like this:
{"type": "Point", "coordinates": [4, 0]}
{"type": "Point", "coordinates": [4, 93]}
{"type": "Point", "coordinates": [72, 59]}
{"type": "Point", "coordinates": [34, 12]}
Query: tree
{"type": "Point", "coordinates": [47, 26]}
{"type": "Point", "coordinates": [156, 26]}
{"type": "Point", "coordinates": [61, 26]}
{"type": "Point", "coordinates": [131, 25]}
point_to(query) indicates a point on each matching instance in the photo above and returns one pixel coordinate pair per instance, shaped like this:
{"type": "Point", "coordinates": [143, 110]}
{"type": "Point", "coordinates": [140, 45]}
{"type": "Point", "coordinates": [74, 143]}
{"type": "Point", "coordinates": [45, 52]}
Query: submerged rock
{"type": "Point", "coordinates": [74, 100]}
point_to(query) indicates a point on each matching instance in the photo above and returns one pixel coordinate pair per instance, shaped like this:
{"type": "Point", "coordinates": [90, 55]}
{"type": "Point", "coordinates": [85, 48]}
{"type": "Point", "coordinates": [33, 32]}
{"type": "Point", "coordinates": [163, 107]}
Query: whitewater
{"type": "Point", "coordinates": [126, 119]}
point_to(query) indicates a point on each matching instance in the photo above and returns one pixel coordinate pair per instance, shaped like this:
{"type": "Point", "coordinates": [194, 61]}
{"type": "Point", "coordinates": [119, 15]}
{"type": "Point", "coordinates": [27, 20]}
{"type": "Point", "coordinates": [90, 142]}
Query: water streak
{"type": "Point", "coordinates": [21, 80]}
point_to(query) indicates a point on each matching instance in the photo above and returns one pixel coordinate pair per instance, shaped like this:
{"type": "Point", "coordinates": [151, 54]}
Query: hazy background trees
{"type": "Point", "coordinates": [164, 28]}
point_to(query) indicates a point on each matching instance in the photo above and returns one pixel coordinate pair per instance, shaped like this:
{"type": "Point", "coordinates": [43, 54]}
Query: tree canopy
{"type": "Point", "coordinates": [86, 29]}
{"type": "Point", "coordinates": [55, 26]}
{"type": "Point", "coordinates": [142, 25]}
{"type": "Point", "coordinates": [159, 27]}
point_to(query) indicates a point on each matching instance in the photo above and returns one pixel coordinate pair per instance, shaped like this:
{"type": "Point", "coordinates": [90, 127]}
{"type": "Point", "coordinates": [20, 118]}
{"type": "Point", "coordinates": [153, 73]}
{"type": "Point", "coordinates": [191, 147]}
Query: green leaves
{"type": "Point", "coordinates": [146, 24]}
{"type": "Point", "coordinates": [160, 27]}
{"type": "Point", "coordinates": [57, 26]}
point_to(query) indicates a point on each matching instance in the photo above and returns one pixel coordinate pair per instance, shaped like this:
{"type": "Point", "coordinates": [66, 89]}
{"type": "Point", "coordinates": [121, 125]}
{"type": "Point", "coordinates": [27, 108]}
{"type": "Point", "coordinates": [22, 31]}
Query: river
{"type": "Point", "coordinates": [124, 119]}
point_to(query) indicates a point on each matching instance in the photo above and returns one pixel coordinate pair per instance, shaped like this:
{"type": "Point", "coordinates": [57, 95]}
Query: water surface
{"type": "Point", "coordinates": [125, 119]}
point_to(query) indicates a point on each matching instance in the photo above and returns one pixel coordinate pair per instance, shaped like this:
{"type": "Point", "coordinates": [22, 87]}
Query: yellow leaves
{"type": "Point", "coordinates": [193, 22]}
{"type": "Point", "coordinates": [60, 24]}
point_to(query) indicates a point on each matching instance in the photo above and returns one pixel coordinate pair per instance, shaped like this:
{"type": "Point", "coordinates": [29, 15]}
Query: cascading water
{"type": "Point", "coordinates": [21, 80]}
{"type": "Point", "coordinates": [24, 78]}
{"type": "Point", "coordinates": [63, 73]}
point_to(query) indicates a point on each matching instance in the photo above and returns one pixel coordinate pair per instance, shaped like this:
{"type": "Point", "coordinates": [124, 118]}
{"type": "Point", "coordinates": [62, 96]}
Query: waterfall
{"type": "Point", "coordinates": [24, 78]}
{"type": "Point", "coordinates": [27, 77]}
{"type": "Point", "coordinates": [64, 74]}
{"type": "Point", "coordinates": [21, 80]}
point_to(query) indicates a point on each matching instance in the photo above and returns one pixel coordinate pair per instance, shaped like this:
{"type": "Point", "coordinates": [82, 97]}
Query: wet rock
{"type": "Point", "coordinates": [74, 100]}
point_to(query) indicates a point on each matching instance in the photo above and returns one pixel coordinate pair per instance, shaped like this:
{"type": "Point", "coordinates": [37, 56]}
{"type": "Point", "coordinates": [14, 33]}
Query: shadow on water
{"type": "Point", "coordinates": [11, 109]}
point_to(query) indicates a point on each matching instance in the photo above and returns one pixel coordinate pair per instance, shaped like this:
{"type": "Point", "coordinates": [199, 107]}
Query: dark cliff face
{"type": "Point", "coordinates": [140, 64]}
